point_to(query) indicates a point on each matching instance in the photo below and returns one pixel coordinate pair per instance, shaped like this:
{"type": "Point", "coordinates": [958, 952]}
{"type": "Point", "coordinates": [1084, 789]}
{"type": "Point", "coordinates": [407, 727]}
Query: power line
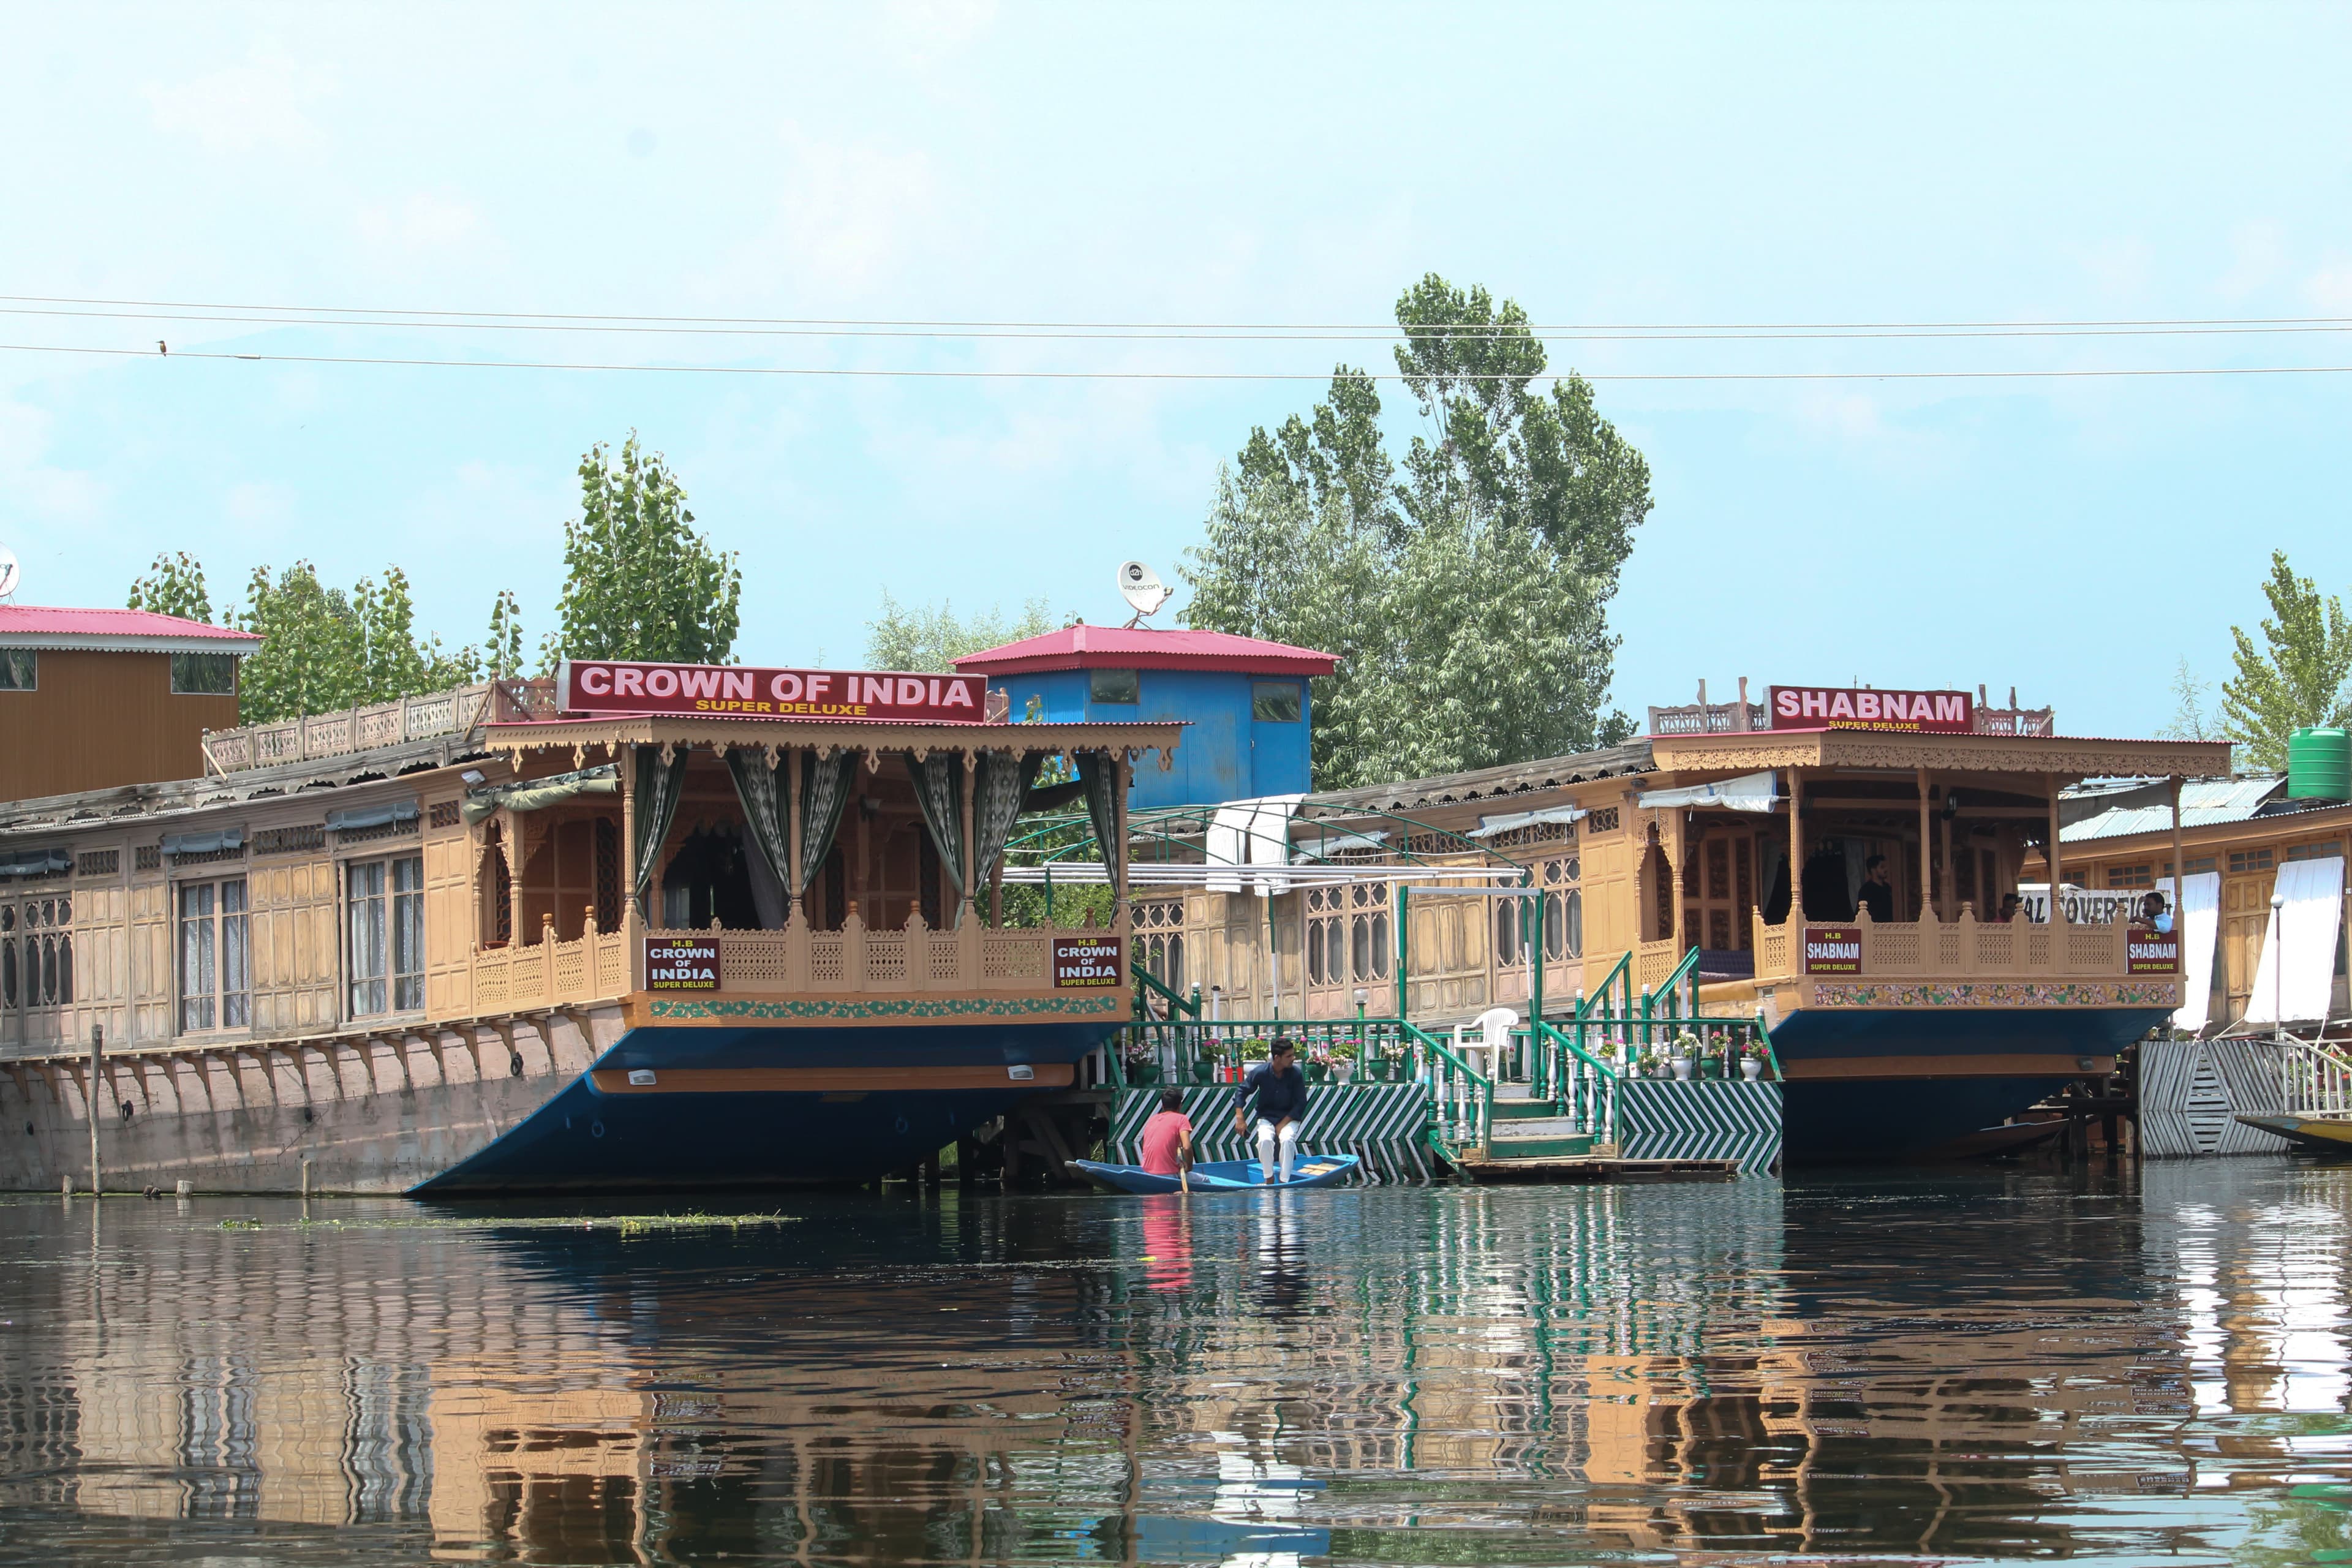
{"type": "Point", "coordinates": [1189, 375]}
{"type": "Point", "coordinates": [373, 316]}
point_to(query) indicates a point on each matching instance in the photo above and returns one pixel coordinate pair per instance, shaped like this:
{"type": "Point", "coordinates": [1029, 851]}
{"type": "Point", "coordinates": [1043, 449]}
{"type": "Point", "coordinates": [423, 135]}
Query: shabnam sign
{"type": "Point", "coordinates": [1085, 963]}
{"type": "Point", "coordinates": [2152, 952]}
{"type": "Point", "coordinates": [727, 692]}
{"type": "Point", "coordinates": [1832, 950]}
{"type": "Point", "coordinates": [1865, 708]}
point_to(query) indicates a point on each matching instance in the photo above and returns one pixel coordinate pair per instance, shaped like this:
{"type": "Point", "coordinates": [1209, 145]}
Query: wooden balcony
{"type": "Point", "coordinates": [1965, 949]}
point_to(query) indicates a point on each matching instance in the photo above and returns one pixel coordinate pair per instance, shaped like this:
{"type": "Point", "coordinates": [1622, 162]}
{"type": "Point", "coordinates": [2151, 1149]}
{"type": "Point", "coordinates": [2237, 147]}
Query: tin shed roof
{"type": "Point", "coordinates": [116, 631]}
{"type": "Point", "coordinates": [1146, 648]}
{"type": "Point", "coordinates": [2204, 803]}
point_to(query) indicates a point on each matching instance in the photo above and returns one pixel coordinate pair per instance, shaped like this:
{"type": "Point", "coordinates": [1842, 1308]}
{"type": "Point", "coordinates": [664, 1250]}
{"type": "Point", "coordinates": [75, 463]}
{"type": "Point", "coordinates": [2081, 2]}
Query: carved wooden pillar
{"type": "Point", "coordinates": [792, 765]}
{"type": "Point", "coordinates": [1927, 850]}
{"type": "Point", "coordinates": [967, 896]}
{"type": "Point", "coordinates": [1796, 849]}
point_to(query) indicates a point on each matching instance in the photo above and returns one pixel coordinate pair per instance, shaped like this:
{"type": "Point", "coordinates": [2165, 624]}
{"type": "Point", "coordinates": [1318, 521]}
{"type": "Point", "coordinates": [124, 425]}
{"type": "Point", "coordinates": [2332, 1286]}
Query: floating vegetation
{"type": "Point", "coordinates": [625, 1224]}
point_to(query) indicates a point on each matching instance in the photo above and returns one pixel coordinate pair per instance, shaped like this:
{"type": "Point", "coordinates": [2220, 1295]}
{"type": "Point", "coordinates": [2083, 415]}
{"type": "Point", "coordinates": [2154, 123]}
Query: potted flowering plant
{"type": "Point", "coordinates": [1143, 1065]}
{"type": "Point", "coordinates": [1685, 1056]}
{"type": "Point", "coordinates": [1751, 1061]}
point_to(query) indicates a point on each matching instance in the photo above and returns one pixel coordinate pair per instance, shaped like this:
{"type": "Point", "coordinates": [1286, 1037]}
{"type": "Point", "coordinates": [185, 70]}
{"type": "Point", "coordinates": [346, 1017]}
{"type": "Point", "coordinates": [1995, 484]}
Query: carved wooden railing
{"type": "Point", "coordinates": [1654, 963]}
{"type": "Point", "coordinates": [1964, 948]}
{"type": "Point", "coordinates": [422, 717]}
{"type": "Point", "coordinates": [551, 974]}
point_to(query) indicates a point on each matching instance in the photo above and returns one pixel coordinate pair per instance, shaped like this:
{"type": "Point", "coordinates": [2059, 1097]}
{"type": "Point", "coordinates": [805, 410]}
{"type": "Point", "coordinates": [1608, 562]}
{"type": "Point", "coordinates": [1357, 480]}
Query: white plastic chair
{"type": "Point", "coordinates": [1494, 1028]}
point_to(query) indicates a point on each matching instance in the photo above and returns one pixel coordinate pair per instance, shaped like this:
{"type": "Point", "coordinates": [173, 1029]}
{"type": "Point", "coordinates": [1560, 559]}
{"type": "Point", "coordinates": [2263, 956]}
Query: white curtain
{"type": "Point", "coordinates": [2197, 916]}
{"type": "Point", "coordinates": [1251, 833]}
{"type": "Point", "coordinates": [2298, 974]}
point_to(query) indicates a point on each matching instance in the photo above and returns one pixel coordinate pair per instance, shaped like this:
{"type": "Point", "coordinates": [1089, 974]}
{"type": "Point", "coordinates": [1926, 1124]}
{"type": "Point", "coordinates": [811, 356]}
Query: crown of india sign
{"type": "Point", "coordinates": [633, 687]}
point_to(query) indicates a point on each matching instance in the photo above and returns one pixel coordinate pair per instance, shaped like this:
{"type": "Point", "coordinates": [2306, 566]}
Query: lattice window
{"type": "Point", "coordinates": [147, 858]}
{"type": "Point", "coordinates": [608, 873]}
{"type": "Point", "coordinates": [99, 863]}
{"type": "Point", "coordinates": [303, 838]}
{"type": "Point", "coordinates": [406, 829]}
{"type": "Point", "coordinates": [1601, 821]}
{"type": "Point", "coordinates": [443, 814]}
{"type": "Point", "coordinates": [208, 857]}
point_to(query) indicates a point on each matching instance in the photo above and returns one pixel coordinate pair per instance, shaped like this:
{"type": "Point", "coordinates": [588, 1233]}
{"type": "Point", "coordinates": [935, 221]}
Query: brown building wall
{"type": "Point", "coordinates": [98, 720]}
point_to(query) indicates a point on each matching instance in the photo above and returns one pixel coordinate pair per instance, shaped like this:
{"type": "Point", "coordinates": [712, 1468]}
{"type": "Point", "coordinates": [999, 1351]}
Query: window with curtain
{"type": "Point", "coordinates": [204, 674]}
{"type": "Point", "coordinates": [384, 925]}
{"type": "Point", "coordinates": [20, 669]}
{"type": "Point", "coordinates": [215, 962]}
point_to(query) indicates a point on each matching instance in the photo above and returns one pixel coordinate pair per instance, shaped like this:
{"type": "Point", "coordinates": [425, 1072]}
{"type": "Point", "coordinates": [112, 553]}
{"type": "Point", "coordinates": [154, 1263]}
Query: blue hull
{"type": "Point", "coordinates": [757, 1127]}
{"type": "Point", "coordinates": [1225, 1176]}
{"type": "Point", "coordinates": [1848, 1096]}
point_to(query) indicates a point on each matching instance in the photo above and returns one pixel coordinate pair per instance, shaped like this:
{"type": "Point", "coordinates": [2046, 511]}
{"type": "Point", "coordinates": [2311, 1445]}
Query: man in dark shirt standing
{"type": "Point", "coordinates": [1280, 1092]}
{"type": "Point", "coordinates": [1877, 892]}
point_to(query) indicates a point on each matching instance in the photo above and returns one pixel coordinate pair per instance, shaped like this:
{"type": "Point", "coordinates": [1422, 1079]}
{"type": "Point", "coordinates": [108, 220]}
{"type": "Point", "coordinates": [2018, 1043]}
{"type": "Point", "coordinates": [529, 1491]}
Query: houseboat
{"type": "Point", "coordinates": [639, 925]}
{"type": "Point", "coordinates": [1845, 863]}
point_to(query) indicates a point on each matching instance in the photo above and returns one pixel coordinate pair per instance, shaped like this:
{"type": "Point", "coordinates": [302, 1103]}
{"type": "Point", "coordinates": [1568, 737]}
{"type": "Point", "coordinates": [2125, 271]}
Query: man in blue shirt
{"type": "Point", "coordinates": [1280, 1091]}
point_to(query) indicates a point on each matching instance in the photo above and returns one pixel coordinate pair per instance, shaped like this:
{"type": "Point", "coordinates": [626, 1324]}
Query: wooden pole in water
{"type": "Point", "coordinates": [97, 1050]}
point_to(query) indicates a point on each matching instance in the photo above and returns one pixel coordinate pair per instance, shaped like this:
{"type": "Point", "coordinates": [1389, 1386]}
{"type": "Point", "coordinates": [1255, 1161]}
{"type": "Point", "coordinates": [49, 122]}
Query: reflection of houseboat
{"type": "Point", "coordinates": [1726, 852]}
{"type": "Point", "coordinates": [502, 937]}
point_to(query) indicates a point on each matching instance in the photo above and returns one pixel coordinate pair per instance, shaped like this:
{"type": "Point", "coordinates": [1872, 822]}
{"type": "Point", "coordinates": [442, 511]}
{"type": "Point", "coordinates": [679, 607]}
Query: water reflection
{"type": "Point", "coordinates": [1997, 1366]}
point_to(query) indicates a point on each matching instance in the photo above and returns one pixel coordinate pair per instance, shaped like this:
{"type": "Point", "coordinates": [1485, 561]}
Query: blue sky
{"type": "Point", "coordinates": [1192, 163]}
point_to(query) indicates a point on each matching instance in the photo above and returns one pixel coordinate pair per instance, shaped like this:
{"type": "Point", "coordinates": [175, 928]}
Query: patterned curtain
{"type": "Point", "coordinates": [825, 790]}
{"type": "Point", "coordinates": [659, 789]}
{"type": "Point", "coordinates": [1000, 791]}
{"type": "Point", "coordinates": [757, 786]}
{"type": "Point", "coordinates": [1101, 781]}
{"type": "Point", "coordinates": [937, 780]}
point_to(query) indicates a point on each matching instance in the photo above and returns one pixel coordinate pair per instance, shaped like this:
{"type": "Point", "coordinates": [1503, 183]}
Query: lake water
{"type": "Point", "coordinates": [2102, 1366]}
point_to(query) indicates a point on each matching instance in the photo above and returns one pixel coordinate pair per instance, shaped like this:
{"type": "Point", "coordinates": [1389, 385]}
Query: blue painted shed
{"type": "Point", "coordinates": [1246, 703]}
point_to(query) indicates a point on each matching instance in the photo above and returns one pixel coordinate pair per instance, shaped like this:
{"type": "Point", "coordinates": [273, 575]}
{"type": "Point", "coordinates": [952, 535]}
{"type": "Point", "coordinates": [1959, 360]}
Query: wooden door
{"type": "Point", "coordinates": [450, 917]}
{"type": "Point", "coordinates": [1720, 889]}
{"type": "Point", "coordinates": [2245, 916]}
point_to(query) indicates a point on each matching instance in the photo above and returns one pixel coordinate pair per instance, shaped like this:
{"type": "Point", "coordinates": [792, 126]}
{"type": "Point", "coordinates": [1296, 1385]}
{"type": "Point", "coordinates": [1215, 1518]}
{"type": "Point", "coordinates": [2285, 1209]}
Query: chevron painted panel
{"type": "Point", "coordinates": [1380, 1122]}
{"type": "Point", "coordinates": [1658, 1120]}
{"type": "Point", "coordinates": [2191, 1093]}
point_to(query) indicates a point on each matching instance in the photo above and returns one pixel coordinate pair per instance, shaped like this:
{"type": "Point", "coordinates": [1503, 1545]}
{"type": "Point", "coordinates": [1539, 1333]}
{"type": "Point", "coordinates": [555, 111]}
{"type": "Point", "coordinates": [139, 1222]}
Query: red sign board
{"type": "Point", "coordinates": [1832, 950]}
{"type": "Point", "coordinates": [681, 963]}
{"type": "Point", "coordinates": [1085, 963]}
{"type": "Point", "coordinates": [625, 686]}
{"type": "Point", "coordinates": [1860, 708]}
{"type": "Point", "coordinates": [2152, 952]}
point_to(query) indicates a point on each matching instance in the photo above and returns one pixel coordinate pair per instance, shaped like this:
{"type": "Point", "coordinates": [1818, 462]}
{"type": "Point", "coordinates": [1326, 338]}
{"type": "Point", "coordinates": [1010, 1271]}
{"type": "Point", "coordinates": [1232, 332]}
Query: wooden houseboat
{"type": "Point", "coordinates": [643, 926]}
{"type": "Point", "coordinates": [1724, 853]}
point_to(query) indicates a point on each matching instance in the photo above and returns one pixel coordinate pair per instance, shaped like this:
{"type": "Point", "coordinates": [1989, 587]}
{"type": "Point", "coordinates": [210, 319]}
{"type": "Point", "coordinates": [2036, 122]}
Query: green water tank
{"type": "Point", "coordinates": [2319, 766]}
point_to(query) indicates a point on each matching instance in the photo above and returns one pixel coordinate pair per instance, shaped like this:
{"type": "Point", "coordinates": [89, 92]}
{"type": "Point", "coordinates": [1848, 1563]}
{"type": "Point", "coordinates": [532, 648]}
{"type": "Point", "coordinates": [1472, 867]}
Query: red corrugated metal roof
{"type": "Point", "coordinates": [1147, 647]}
{"type": "Point", "coordinates": [26, 624]}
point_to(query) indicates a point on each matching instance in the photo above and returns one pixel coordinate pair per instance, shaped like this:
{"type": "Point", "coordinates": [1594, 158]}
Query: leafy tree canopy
{"type": "Point", "coordinates": [1467, 596]}
{"type": "Point", "coordinates": [174, 585]}
{"type": "Point", "coordinates": [2296, 679]}
{"type": "Point", "coordinates": [922, 638]}
{"type": "Point", "coordinates": [639, 582]}
{"type": "Point", "coordinates": [323, 648]}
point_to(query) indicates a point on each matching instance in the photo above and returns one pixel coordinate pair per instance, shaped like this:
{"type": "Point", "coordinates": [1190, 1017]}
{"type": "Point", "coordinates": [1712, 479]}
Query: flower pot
{"type": "Point", "coordinates": [1142, 1074]}
{"type": "Point", "coordinates": [1204, 1072]}
{"type": "Point", "coordinates": [1317, 1072]}
{"type": "Point", "coordinates": [1752, 1068]}
{"type": "Point", "coordinates": [1683, 1066]}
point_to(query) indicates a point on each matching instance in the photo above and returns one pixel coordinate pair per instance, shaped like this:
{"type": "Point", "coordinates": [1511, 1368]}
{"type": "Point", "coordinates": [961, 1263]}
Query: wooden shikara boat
{"type": "Point", "coordinates": [2319, 1135]}
{"type": "Point", "coordinates": [1222, 1176]}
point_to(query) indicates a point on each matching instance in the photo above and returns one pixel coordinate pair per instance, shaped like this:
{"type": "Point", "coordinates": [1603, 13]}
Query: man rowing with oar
{"type": "Point", "coordinates": [1280, 1091]}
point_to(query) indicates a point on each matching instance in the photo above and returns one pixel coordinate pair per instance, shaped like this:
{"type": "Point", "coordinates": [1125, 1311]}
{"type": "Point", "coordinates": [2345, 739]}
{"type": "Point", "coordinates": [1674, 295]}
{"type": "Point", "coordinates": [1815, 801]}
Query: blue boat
{"type": "Point", "coordinates": [1222, 1176]}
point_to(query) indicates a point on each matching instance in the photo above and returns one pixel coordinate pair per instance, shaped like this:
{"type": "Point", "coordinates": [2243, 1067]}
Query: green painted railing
{"type": "Point", "coordinates": [1461, 1098]}
{"type": "Point", "coordinates": [1583, 1086]}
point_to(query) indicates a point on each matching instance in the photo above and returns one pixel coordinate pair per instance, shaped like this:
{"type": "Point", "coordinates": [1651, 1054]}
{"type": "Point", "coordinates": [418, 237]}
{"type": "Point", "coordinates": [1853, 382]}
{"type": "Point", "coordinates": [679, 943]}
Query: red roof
{"type": "Point", "coordinates": [116, 631]}
{"type": "Point", "coordinates": [1146, 648]}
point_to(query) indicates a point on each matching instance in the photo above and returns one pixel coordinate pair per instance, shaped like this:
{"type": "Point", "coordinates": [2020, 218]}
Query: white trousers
{"type": "Point", "coordinates": [1268, 1139]}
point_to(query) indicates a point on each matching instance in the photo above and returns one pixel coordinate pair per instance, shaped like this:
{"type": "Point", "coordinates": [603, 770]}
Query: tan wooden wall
{"type": "Point", "coordinates": [100, 720]}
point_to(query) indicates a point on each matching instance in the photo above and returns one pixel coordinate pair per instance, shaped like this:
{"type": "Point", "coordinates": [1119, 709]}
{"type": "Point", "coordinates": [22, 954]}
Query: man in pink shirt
{"type": "Point", "coordinates": [1168, 1137]}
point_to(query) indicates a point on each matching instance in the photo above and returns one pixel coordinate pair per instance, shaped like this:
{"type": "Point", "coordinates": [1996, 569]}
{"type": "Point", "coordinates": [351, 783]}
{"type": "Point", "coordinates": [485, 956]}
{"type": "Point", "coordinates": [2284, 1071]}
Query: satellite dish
{"type": "Point", "coordinates": [1142, 589]}
{"type": "Point", "coordinates": [8, 573]}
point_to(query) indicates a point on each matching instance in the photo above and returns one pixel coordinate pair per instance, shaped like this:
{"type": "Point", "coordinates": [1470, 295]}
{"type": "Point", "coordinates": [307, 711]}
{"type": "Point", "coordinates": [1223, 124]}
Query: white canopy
{"type": "Point", "coordinates": [2197, 916]}
{"type": "Point", "coordinates": [1750, 791]}
{"type": "Point", "coordinates": [1251, 833]}
{"type": "Point", "coordinates": [2297, 971]}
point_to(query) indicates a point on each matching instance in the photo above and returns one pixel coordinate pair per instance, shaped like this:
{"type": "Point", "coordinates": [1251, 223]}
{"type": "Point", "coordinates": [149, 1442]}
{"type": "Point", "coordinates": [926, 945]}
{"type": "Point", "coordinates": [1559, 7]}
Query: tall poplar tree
{"type": "Point", "coordinates": [639, 582]}
{"type": "Point", "coordinates": [2296, 679]}
{"type": "Point", "coordinates": [1468, 596]}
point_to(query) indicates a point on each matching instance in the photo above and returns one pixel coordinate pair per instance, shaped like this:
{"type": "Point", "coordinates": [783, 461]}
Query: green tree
{"type": "Point", "coordinates": [2297, 679]}
{"type": "Point", "coordinates": [322, 648]}
{"type": "Point", "coordinates": [922, 638]}
{"type": "Point", "coordinates": [502, 651]}
{"type": "Point", "coordinates": [1468, 598]}
{"type": "Point", "coordinates": [174, 585]}
{"type": "Point", "coordinates": [639, 582]}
